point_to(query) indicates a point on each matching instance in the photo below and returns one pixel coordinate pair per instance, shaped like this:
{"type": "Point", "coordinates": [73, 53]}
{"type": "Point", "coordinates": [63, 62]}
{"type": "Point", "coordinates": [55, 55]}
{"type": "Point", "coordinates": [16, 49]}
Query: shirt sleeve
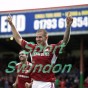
{"type": "Point", "coordinates": [27, 45]}
{"type": "Point", "coordinates": [58, 48]}
{"type": "Point", "coordinates": [18, 65]}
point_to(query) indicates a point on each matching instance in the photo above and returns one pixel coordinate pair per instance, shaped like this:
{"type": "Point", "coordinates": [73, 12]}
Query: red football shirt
{"type": "Point", "coordinates": [23, 75]}
{"type": "Point", "coordinates": [42, 56]}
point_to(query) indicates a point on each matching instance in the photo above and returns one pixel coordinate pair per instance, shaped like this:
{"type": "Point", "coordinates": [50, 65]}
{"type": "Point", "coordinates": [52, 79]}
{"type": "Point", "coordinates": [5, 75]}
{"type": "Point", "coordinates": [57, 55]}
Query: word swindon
{"type": "Point", "coordinates": [39, 67]}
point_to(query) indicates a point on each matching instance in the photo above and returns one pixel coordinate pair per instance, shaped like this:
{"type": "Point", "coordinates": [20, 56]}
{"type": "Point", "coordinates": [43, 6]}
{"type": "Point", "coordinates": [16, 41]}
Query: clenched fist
{"type": "Point", "coordinates": [69, 20]}
{"type": "Point", "coordinates": [9, 19]}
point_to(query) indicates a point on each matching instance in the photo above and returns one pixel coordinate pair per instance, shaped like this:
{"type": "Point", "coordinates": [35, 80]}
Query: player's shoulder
{"type": "Point", "coordinates": [30, 64]}
{"type": "Point", "coordinates": [18, 64]}
{"type": "Point", "coordinates": [52, 45]}
{"type": "Point", "coordinates": [58, 43]}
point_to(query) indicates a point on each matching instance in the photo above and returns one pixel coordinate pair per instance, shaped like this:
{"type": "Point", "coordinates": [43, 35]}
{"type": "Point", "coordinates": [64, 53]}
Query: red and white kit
{"type": "Point", "coordinates": [39, 57]}
{"type": "Point", "coordinates": [23, 75]}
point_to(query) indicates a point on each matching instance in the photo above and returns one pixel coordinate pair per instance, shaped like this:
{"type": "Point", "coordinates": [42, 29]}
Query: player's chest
{"type": "Point", "coordinates": [22, 69]}
{"type": "Point", "coordinates": [40, 51]}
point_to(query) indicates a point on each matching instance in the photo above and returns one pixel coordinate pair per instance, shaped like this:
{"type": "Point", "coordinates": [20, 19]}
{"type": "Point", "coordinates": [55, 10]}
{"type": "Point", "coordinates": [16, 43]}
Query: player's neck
{"type": "Point", "coordinates": [45, 44]}
{"type": "Point", "coordinates": [24, 62]}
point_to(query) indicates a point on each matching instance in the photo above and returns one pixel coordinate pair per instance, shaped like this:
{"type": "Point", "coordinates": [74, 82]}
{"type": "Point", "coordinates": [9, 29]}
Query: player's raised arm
{"type": "Point", "coordinates": [69, 21]}
{"type": "Point", "coordinates": [16, 34]}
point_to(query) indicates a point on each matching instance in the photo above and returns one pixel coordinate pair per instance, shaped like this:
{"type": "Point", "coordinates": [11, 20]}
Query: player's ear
{"type": "Point", "coordinates": [47, 37]}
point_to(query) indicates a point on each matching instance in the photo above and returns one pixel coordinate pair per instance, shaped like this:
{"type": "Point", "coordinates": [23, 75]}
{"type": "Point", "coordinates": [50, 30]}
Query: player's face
{"type": "Point", "coordinates": [40, 38]}
{"type": "Point", "coordinates": [22, 56]}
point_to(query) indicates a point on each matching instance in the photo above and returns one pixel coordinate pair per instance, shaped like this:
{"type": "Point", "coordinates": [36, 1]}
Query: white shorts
{"type": "Point", "coordinates": [41, 84]}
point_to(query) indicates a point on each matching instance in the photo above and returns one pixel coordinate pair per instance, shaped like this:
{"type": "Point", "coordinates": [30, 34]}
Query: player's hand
{"type": "Point", "coordinates": [27, 85]}
{"type": "Point", "coordinates": [9, 19]}
{"type": "Point", "coordinates": [69, 20]}
{"type": "Point", "coordinates": [14, 85]}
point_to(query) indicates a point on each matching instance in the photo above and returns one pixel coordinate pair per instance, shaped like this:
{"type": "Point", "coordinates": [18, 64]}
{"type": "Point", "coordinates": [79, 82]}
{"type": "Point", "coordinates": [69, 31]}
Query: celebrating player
{"type": "Point", "coordinates": [44, 55]}
{"type": "Point", "coordinates": [22, 76]}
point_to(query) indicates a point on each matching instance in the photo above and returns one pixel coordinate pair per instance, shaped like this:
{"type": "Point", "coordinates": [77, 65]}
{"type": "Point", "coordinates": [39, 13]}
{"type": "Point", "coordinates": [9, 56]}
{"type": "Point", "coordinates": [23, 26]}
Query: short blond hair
{"type": "Point", "coordinates": [42, 30]}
